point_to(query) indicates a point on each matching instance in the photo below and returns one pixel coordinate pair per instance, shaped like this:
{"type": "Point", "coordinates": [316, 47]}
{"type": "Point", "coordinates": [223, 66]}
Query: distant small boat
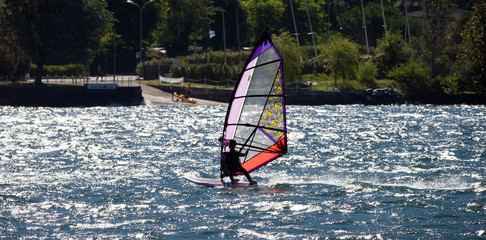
{"type": "Point", "coordinates": [182, 97]}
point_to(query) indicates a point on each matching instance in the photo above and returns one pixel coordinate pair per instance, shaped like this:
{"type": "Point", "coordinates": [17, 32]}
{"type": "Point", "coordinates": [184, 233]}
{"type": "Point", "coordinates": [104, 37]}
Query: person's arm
{"type": "Point", "coordinates": [244, 154]}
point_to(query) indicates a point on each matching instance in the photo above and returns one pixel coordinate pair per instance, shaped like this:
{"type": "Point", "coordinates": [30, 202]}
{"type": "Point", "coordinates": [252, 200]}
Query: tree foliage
{"type": "Point", "coordinates": [342, 58]}
{"type": "Point", "coordinates": [414, 76]}
{"type": "Point", "coordinates": [474, 47]}
{"type": "Point", "coordinates": [352, 21]}
{"type": "Point", "coordinates": [367, 72]}
{"type": "Point", "coordinates": [51, 29]}
{"type": "Point", "coordinates": [433, 41]}
{"type": "Point", "coordinates": [286, 46]}
{"type": "Point", "coordinates": [235, 26]}
{"type": "Point", "coordinates": [13, 61]}
{"type": "Point", "coordinates": [264, 14]}
{"type": "Point", "coordinates": [186, 21]}
{"type": "Point", "coordinates": [318, 17]}
{"type": "Point", "coordinates": [391, 50]}
{"type": "Point", "coordinates": [445, 43]}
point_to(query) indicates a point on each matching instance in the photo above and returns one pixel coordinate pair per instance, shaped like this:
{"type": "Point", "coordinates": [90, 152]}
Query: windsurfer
{"type": "Point", "coordinates": [232, 164]}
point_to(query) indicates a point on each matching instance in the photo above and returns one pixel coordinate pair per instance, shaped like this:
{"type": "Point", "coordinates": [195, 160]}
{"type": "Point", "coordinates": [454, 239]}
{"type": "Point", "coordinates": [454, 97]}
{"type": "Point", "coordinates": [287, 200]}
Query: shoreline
{"type": "Point", "coordinates": [68, 96]}
{"type": "Point", "coordinates": [80, 96]}
{"type": "Point", "coordinates": [368, 97]}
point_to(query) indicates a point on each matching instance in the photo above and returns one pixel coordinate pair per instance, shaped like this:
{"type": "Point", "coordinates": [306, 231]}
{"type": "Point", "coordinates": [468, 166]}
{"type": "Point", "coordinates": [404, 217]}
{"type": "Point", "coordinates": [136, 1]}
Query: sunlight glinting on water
{"type": "Point", "coordinates": [353, 172]}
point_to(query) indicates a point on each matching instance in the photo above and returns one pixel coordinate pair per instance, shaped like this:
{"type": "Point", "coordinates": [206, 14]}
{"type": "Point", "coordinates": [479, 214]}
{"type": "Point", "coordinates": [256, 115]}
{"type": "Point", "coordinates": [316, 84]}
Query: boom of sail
{"type": "Point", "coordinates": [256, 116]}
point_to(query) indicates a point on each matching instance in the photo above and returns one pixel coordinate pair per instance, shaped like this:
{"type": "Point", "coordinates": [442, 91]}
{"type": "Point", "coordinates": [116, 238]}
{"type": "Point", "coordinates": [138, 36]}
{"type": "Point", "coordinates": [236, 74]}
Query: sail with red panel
{"type": "Point", "coordinates": [256, 116]}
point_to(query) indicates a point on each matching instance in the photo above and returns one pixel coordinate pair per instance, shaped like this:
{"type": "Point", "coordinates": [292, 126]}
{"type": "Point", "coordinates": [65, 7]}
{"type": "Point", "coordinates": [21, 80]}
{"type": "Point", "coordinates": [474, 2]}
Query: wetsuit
{"type": "Point", "coordinates": [233, 165]}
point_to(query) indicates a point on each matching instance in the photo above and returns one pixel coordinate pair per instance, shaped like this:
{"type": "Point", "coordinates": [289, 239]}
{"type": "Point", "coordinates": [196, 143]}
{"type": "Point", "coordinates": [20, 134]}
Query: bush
{"type": "Point", "coordinates": [151, 70]}
{"type": "Point", "coordinates": [232, 58]}
{"type": "Point", "coordinates": [391, 50]}
{"type": "Point", "coordinates": [450, 84]}
{"type": "Point", "coordinates": [62, 70]}
{"type": "Point", "coordinates": [209, 71]}
{"type": "Point", "coordinates": [195, 66]}
{"type": "Point", "coordinates": [367, 72]}
{"type": "Point", "coordinates": [154, 67]}
{"type": "Point", "coordinates": [308, 52]}
{"type": "Point", "coordinates": [351, 85]}
{"type": "Point", "coordinates": [413, 77]}
{"type": "Point", "coordinates": [313, 66]}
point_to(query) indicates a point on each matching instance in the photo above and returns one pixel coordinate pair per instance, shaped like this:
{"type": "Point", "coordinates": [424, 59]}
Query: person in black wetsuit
{"type": "Point", "coordinates": [233, 165]}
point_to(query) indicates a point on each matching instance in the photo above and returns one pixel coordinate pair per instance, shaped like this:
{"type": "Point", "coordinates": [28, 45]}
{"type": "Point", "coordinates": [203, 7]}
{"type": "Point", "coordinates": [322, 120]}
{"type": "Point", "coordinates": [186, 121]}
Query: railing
{"type": "Point", "coordinates": [133, 80]}
{"type": "Point", "coordinates": [205, 81]}
{"type": "Point", "coordinates": [120, 80]}
{"type": "Point", "coordinates": [298, 86]}
{"type": "Point", "coordinates": [8, 80]}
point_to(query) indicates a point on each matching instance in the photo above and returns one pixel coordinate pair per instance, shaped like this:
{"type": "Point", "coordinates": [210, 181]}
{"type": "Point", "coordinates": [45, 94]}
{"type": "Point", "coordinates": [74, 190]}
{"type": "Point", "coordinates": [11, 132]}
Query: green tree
{"type": "Point", "coordinates": [342, 58]}
{"type": "Point", "coordinates": [432, 44]}
{"type": "Point", "coordinates": [286, 46]}
{"type": "Point", "coordinates": [13, 61]}
{"type": "Point", "coordinates": [318, 17]}
{"type": "Point", "coordinates": [51, 29]}
{"type": "Point", "coordinates": [185, 22]}
{"type": "Point", "coordinates": [263, 14]}
{"type": "Point", "coordinates": [413, 76]}
{"type": "Point", "coordinates": [367, 72]}
{"type": "Point", "coordinates": [474, 47]}
{"type": "Point", "coordinates": [235, 19]}
{"type": "Point", "coordinates": [127, 26]}
{"type": "Point", "coordinates": [353, 23]}
{"type": "Point", "coordinates": [391, 50]}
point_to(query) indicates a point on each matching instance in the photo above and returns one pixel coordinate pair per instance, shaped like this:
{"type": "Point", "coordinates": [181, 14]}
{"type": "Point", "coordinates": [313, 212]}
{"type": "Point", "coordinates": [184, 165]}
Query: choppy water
{"type": "Point", "coordinates": [372, 172]}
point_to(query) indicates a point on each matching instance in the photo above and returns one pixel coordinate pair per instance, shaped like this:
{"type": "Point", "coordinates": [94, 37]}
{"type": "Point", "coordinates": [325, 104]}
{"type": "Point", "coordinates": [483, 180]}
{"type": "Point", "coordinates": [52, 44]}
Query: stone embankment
{"type": "Point", "coordinates": [368, 97]}
{"type": "Point", "coordinates": [68, 96]}
{"type": "Point", "coordinates": [80, 96]}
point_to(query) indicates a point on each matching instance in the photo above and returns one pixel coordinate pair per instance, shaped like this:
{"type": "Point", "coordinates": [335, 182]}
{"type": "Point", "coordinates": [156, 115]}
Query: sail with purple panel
{"type": "Point", "coordinates": [256, 116]}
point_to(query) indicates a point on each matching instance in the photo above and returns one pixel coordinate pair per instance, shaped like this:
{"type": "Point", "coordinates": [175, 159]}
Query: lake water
{"type": "Point", "coordinates": [353, 172]}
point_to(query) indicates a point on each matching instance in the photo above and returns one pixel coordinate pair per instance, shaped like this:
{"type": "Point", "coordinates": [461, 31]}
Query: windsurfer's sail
{"type": "Point", "coordinates": [256, 113]}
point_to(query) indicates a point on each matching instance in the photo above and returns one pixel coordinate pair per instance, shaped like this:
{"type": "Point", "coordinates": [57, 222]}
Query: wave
{"type": "Point", "coordinates": [439, 184]}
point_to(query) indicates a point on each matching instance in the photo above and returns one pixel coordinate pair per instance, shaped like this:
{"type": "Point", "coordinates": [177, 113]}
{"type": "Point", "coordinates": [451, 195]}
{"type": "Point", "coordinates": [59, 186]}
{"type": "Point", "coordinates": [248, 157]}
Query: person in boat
{"type": "Point", "coordinates": [232, 164]}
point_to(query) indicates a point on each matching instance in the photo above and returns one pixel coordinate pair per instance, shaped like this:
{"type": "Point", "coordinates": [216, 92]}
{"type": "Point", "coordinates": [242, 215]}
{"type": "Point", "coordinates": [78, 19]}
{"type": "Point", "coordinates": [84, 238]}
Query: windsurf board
{"type": "Point", "coordinates": [208, 182]}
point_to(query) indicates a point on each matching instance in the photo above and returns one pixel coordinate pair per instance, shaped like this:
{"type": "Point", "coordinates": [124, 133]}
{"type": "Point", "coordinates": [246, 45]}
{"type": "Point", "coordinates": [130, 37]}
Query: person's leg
{"type": "Point", "coordinates": [233, 181]}
{"type": "Point", "coordinates": [247, 175]}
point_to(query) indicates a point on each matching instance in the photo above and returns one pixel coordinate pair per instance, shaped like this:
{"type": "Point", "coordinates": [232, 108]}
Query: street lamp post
{"type": "Point", "coordinates": [140, 8]}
